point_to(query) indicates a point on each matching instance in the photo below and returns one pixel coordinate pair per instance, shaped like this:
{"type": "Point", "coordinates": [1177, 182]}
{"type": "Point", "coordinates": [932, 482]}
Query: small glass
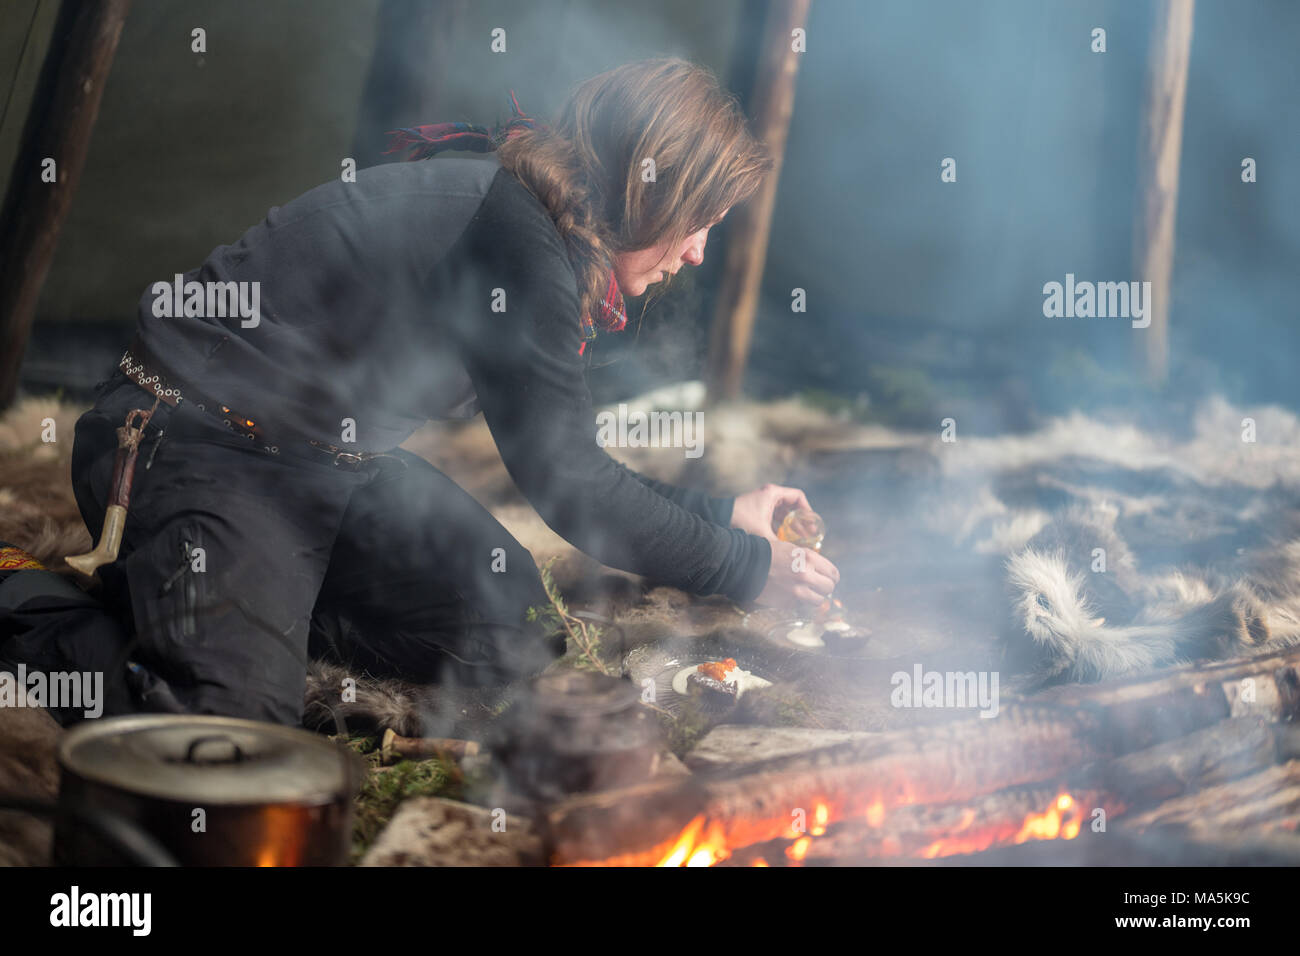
{"type": "Point", "coordinates": [804, 528]}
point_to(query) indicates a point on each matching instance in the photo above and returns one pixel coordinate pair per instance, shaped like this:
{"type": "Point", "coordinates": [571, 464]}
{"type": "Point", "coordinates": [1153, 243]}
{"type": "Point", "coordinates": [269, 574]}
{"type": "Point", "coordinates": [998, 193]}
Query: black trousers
{"type": "Point", "coordinates": [237, 564]}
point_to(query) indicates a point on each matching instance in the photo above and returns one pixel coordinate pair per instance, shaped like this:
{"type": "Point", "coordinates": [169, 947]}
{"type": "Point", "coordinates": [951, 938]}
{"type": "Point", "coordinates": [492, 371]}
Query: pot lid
{"type": "Point", "coordinates": [208, 760]}
{"type": "Point", "coordinates": [578, 694]}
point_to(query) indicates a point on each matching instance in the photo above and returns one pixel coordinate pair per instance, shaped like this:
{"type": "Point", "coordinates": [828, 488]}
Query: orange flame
{"type": "Point", "coordinates": [821, 814]}
{"type": "Point", "coordinates": [706, 841]}
{"type": "Point", "coordinates": [1053, 823]}
{"type": "Point", "coordinates": [798, 849]}
{"type": "Point", "coordinates": [1061, 820]}
{"type": "Point", "coordinates": [702, 843]}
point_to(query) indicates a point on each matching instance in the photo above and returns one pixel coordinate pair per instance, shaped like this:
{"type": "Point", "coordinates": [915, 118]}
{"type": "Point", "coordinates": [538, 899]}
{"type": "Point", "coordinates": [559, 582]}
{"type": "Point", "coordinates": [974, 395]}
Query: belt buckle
{"type": "Point", "coordinates": [348, 458]}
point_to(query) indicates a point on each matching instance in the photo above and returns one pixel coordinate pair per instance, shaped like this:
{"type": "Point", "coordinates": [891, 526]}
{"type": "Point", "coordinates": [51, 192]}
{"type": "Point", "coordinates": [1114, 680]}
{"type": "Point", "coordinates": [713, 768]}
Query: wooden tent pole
{"type": "Point", "coordinates": [1161, 139]}
{"type": "Point", "coordinates": [773, 105]}
{"type": "Point", "coordinates": [414, 39]}
{"type": "Point", "coordinates": [58, 127]}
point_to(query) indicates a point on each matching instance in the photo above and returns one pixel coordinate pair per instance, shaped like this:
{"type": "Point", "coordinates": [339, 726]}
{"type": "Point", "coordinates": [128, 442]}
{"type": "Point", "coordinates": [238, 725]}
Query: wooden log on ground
{"type": "Point", "coordinates": [956, 761]}
{"type": "Point", "coordinates": [430, 831]}
{"type": "Point", "coordinates": [1146, 710]}
{"type": "Point", "coordinates": [1269, 799]}
{"type": "Point", "coordinates": [1005, 818]}
{"type": "Point", "coordinates": [861, 779]}
{"type": "Point", "coordinates": [59, 125]}
{"type": "Point", "coordinates": [1204, 758]}
{"type": "Point", "coordinates": [1209, 757]}
{"type": "Point", "coordinates": [395, 747]}
{"type": "Point", "coordinates": [1117, 847]}
{"type": "Point", "coordinates": [1129, 715]}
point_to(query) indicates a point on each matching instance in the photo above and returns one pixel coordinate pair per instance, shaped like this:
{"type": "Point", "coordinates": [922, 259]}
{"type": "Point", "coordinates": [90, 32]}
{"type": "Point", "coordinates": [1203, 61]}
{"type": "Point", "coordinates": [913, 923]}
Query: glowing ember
{"type": "Point", "coordinates": [821, 814]}
{"type": "Point", "coordinates": [699, 845]}
{"type": "Point", "coordinates": [876, 814]}
{"type": "Point", "coordinates": [948, 847]}
{"type": "Point", "coordinates": [1053, 823]}
{"type": "Point", "coordinates": [798, 849]}
{"type": "Point", "coordinates": [1060, 821]}
{"type": "Point", "coordinates": [707, 842]}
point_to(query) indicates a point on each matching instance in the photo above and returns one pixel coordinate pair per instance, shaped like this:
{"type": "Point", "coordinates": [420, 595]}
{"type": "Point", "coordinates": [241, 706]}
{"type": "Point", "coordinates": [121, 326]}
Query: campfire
{"type": "Point", "coordinates": [1198, 759]}
{"type": "Point", "coordinates": [707, 843]}
{"type": "Point", "coordinates": [827, 837]}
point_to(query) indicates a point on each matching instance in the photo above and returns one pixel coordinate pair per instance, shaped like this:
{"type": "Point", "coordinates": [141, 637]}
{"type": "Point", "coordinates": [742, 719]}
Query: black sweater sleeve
{"type": "Point", "coordinates": [717, 510]}
{"type": "Point", "coordinates": [515, 321]}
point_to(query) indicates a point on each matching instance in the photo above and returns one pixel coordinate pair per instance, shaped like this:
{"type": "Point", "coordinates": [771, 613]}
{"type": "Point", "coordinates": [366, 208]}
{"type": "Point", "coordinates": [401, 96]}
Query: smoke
{"type": "Point", "coordinates": [946, 278]}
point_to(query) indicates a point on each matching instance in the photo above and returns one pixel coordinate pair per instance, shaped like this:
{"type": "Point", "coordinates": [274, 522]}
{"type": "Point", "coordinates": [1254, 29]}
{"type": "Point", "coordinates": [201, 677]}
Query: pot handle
{"type": "Point", "coordinates": [191, 752]}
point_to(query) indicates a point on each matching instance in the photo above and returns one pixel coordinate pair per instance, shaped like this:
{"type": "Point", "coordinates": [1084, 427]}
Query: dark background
{"type": "Point", "coordinates": [924, 298]}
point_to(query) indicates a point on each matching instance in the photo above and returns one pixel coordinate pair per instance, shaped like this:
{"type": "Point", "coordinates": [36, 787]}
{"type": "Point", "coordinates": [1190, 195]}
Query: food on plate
{"type": "Point", "coordinates": [717, 670]}
{"type": "Point", "coordinates": [714, 693]}
{"type": "Point", "coordinates": [840, 637]}
{"type": "Point", "coordinates": [805, 634]}
{"type": "Point", "coordinates": [832, 609]}
{"type": "Point", "coordinates": [731, 675]}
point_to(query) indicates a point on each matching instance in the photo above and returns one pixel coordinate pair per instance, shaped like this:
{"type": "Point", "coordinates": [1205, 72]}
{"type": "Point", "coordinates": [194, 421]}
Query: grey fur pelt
{"type": "Point", "coordinates": [376, 704]}
{"type": "Point", "coordinates": [1127, 550]}
{"type": "Point", "coordinates": [380, 703]}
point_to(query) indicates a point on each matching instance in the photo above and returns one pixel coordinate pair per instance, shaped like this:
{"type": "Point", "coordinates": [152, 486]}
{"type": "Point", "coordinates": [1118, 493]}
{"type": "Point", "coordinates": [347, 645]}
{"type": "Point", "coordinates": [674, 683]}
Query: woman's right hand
{"type": "Point", "coordinates": [797, 576]}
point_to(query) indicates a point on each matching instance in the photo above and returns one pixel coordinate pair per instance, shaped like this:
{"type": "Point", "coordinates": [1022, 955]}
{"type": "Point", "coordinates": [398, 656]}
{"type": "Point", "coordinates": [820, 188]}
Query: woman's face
{"type": "Point", "coordinates": [637, 270]}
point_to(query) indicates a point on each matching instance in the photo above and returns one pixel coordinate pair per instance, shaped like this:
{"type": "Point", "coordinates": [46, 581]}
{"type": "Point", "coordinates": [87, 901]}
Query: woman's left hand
{"type": "Point", "coordinates": [758, 511]}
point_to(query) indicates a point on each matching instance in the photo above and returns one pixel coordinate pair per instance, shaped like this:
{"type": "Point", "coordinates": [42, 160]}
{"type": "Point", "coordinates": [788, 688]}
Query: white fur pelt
{"type": "Point", "coordinates": [1200, 530]}
{"type": "Point", "coordinates": [1128, 549]}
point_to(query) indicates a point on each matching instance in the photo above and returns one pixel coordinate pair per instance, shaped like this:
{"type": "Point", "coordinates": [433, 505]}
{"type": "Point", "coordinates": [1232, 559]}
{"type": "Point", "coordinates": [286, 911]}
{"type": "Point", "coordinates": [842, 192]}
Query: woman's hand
{"type": "Point", "coordinates": [758, 511]}
{"type": "Point", "coordinates": [797, 576]}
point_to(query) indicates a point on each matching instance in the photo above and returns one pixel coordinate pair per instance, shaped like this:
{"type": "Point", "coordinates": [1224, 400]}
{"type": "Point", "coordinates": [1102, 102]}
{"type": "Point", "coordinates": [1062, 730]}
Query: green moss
{"type": "Point", "coordinates": [384, 789]}
{"type": "Point", "coordinates": [901, 395]}
{"type": "Point", "coordinates": [854, 408]}
{"type": "Point", "coordinates": [793, 711]}
{"type": "Point", "coordinates": [684, 729]}
{"type": "Point", "coordinates": [897, 396]}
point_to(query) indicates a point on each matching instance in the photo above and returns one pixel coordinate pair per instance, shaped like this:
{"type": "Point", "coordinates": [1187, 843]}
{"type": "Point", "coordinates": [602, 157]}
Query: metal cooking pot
{"type": "Point", "coordinates": [574, 731]}
{"type": "Point", "coordinates": [214, 791]}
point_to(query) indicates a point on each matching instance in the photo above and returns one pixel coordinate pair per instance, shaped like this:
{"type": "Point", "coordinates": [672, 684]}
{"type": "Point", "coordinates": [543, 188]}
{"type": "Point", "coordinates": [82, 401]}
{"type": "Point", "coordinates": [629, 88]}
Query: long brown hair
{"type": "Point", "coordinates": [589, 169]}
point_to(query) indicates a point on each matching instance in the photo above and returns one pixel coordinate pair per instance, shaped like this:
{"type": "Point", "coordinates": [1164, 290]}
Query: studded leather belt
{"type": "Point", "coordinates": [140, 367]}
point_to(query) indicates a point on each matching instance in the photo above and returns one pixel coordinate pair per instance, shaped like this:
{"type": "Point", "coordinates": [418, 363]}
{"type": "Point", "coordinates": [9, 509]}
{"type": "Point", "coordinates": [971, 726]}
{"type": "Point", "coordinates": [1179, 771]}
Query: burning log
{"type": "Point", "coordinates": [1144, 711]}
{"type": "Point", "coordinates": [956, 763]}
{"type": "Point", "coordinates": [1204, 758]}
{"type": "Point", "coordinates": [1021, 734]}
{"type": "Point", "coordinates": [859, 779]}
{"type": "Point", "coordinates": [1270, 798]}
{"type": "Point", "coordinates": [1006, 818]}
{"type": "Point", "coordinates": [1010, 817]}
